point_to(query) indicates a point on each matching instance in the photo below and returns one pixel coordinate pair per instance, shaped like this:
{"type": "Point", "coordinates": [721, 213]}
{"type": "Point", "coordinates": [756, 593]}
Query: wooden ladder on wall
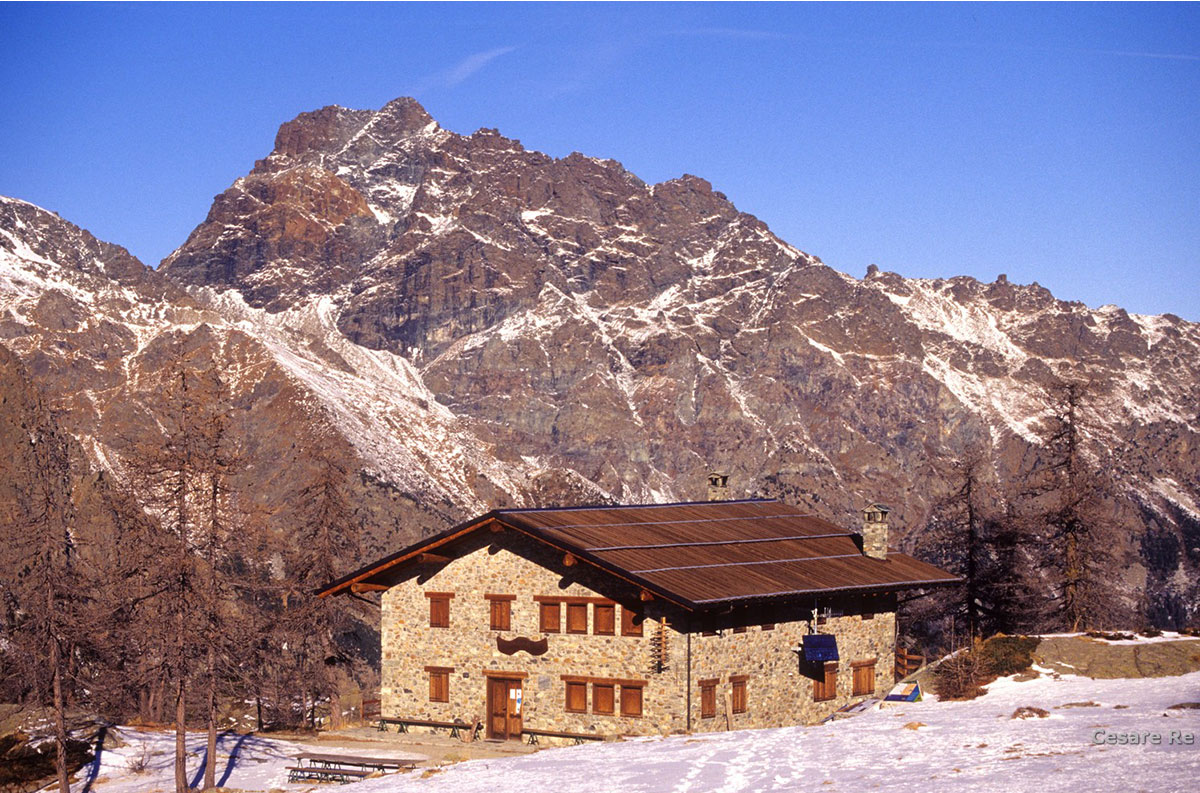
{"type": "Point", "coordinates": [659, 651]}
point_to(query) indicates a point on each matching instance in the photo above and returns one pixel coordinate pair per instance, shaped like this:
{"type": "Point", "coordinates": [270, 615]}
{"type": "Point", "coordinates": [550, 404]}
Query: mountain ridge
{"type": "Point", "coordinates": [480, 325]}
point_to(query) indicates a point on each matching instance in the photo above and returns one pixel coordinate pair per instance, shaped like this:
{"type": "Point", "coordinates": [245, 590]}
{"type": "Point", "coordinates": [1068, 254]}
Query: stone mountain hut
{"type": "Point", "coordinates": [638, 620]}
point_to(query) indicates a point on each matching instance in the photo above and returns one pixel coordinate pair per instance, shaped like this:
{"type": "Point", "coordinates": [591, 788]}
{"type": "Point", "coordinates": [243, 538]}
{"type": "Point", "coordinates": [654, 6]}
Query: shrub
{"type": "Point", "coordinates": [961, 676]}
{"type": "Point", "coordinates": [1008, 655]}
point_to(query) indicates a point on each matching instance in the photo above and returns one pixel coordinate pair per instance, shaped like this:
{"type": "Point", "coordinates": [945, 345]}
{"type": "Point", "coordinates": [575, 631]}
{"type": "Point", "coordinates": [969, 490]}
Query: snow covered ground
{"type": "Point", "coordinates": [958, 746]}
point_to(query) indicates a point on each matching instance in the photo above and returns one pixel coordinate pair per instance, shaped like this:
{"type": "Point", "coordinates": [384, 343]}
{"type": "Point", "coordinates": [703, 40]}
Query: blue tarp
{"type": "Point", "coordinates": [820, 647]}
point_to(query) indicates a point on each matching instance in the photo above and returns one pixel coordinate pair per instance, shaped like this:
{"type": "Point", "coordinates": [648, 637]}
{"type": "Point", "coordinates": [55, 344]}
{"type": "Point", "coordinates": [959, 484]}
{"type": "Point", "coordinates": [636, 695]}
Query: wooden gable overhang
{"type": "Point", "coordinates": [372, 578]}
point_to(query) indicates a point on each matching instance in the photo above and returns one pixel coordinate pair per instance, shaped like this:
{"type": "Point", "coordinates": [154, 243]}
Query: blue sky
{"type": "Point", "coordinates": [1054, 143]}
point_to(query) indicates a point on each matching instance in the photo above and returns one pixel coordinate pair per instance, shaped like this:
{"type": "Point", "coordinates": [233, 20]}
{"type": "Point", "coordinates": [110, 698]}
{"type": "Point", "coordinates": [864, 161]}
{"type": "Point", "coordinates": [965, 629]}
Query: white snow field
{"type": "Point", "coordinates": [960, 746]}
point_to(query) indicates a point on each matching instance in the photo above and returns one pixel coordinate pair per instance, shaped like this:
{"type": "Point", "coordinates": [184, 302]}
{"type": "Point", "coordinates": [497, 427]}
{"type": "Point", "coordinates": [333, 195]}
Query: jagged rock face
{"type": "Point", "coordinates": [97, 332]}
{"type": "Point", "coordinates": [487, 325]}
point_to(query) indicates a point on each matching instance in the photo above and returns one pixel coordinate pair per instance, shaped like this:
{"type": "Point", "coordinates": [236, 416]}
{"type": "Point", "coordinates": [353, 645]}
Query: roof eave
{"type": "Point", "coordinates": [899, 586]}
{"type": "Point", "coordinates": [361, 575]}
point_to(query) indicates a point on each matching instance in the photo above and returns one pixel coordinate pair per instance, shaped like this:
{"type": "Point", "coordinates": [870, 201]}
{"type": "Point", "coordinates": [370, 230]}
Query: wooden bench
{"type": "Point", "coordinates": [455, 727]}
{"type": "Point", "coordinates": [300, 773]}
{"type": "Point", "coordinates": [578, 737]}
{"type": "Point", "coordinates": [364, 762]}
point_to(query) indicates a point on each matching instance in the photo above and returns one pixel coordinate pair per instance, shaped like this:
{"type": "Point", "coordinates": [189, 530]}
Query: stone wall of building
{"type": "Point", "coordinates": [510, 563]}
{"type": "Point", "coordinates": [779, 685]}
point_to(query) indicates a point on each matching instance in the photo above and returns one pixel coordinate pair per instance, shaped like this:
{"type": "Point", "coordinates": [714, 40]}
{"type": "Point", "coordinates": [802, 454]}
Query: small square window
{"type": "Point", "coordinates": [439, 611]}
{"type": "Point", "coordinates": [631, 701]}
{"type": "Point", "coordinates": [602, 699]}
{"type": "Point", "coordinates": [631, 623]}
{"type": "Point", "coordinates": [576, 697]}
{"type": "Point", "coordinates": [501, 614]}
{"type": "Point", "coordinates": [864, 678]}
{"type": "Point", "coordinates": [439, 684]}
{"type": "Point", "coordinates": [738, 694]}
{"type": "Point", "coordinates": [708, 699]}
{"type": "Point", "coordinates": [577, 618]}
{"type": "Point", "coordinates": [604, 617]}
{"type": "Point", "coordinates": [551, 617]}
{"type": "Point", "coordinates": [826, 688]}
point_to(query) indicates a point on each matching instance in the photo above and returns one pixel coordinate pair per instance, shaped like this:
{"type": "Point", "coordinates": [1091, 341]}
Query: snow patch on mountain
{"type": "Point", "coordinates": [376, 397]}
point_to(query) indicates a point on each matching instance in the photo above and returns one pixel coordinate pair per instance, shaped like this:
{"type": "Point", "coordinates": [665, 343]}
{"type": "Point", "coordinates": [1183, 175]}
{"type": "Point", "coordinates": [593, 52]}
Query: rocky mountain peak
{"type": "Point", "coordinates": [484, 325]}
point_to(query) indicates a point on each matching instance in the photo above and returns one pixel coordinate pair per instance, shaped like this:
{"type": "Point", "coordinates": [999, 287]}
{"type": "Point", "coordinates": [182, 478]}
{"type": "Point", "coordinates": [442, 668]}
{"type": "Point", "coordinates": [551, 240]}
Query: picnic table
{"type": "Point", "coordinates": [342, 768]}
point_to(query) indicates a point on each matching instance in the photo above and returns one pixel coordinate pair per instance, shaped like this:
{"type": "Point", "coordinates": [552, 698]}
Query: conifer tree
{"type": "Point", "coordinates": [44, 585]}
{"type": "Point", "coordinates": [1075, 539]}
{"type": "Point", "coordinates": [327, 536]}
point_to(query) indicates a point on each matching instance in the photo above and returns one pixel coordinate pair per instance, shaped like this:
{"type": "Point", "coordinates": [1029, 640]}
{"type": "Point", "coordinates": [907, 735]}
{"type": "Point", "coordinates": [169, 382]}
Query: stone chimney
{"type": "Point", "coordinates": [718, 487]}
{"type": "Point", "coordinates": [875, 531]}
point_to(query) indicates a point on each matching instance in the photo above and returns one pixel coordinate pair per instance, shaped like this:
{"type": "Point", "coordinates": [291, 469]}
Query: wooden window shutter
{"type": "Point", "coordinates": [864, 677]}
{"type": "Point", "coordinates": [631, 623]}
{"type": "Point", "coordinates": [501, 614]}
{"type": "Point", "coordinates": [439, 609]}
{"type": "Point", "coordinates": [826, 689]}
{"type": "Point", "coordinates": [708, 699]}
{"type": "Point", "coordinates": [604, 617]}
{"type": "Point", "coordinates": [439, 683]}
{"type": "Point", "coordinates": [738, 698]}
{"type": "Point", "coordinates": [602, 699]}
{"type": "Point", "coordinates": [631, 700]}
{"type": "Point", "coordinates": [551, 617]}
{"type": "Point", "coordinates": [576, 697]}
{"type": "Point", "coordinates": [577, 618]}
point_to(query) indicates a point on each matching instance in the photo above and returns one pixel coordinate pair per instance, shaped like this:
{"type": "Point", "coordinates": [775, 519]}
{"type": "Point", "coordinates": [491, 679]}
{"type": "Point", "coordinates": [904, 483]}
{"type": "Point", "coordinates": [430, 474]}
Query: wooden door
{"type": "Point", "coordinates": [505, 700]}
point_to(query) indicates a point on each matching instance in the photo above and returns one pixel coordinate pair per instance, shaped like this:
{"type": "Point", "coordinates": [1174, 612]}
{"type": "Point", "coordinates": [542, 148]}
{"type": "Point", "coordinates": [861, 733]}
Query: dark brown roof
{"type": "Point", "coordinates": [699, 554]}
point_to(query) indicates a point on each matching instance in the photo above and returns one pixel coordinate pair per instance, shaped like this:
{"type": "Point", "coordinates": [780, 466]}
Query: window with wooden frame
{"type": "Point", "coordinates": [826, 688]}
{"type": "Point", "coordinates": [500, 608]}
{"type": "Point", "coordinates": [577, 621]}
{"type": "Point", "coordinates": [740, 629]}
{"type": "Point", "coordinates": [550, 617]}
{"type": "Point", "coordinates": [708, 698]}
{"type": "Point", "coordinates": [439, 683]}
{"type": "Point", "coordinates": [576, 697]}
{"type": "Point", "coordinates": [439, 609]}
{"type": "Point", "coordinates": [604, 619]}
{"type": "Point", "coordinates": [864, 677]}
{"type": "Point", "coordinates": [631, 623]}
{"type": "Point", "coordinates": [631, 700]}
{"type": "Point", "coordinates": [603, 701]}
{"type": "Point", "coordinates": [738, 693]}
